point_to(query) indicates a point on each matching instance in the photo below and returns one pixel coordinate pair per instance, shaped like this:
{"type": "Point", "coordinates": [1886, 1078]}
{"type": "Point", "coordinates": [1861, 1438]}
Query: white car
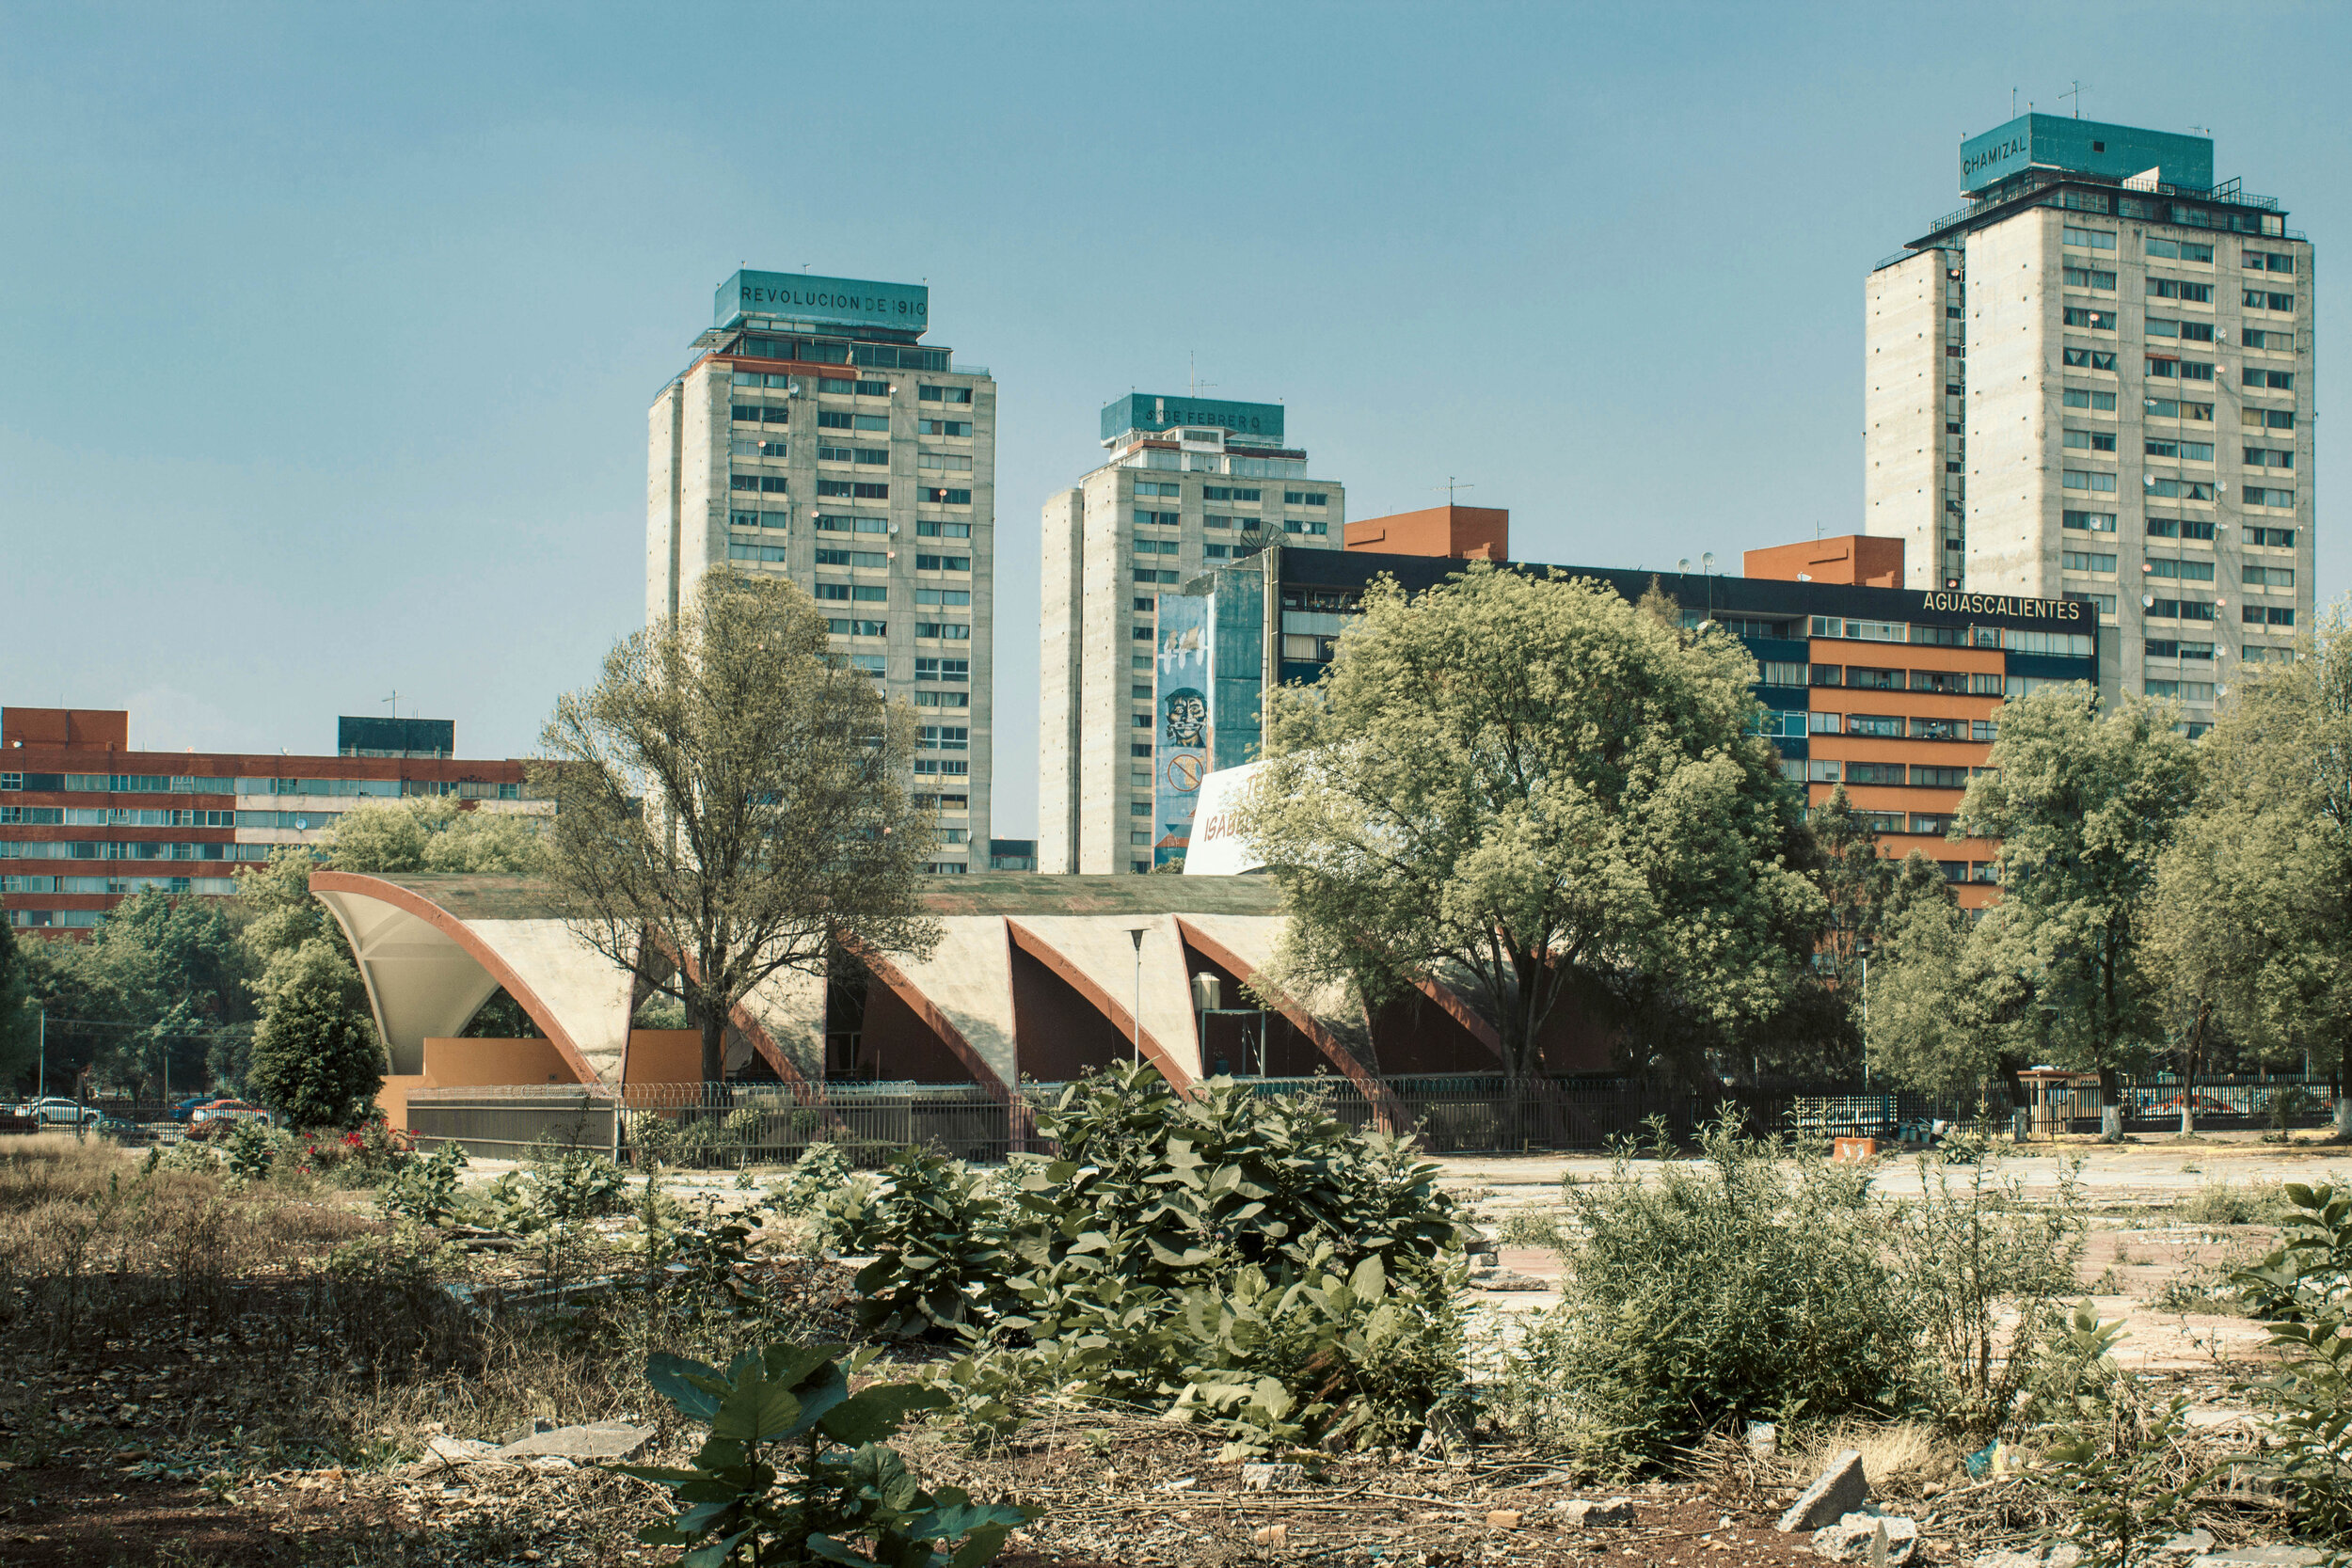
{"type": "Point", "coordinates": [56, 1108]}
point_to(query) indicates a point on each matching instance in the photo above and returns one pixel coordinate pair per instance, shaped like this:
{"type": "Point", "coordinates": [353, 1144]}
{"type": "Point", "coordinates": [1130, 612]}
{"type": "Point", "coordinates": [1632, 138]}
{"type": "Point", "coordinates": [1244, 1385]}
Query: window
{"type": "Point", "coordinates": [2081, 479]}
{"type": "Point", "coordinates": [943, 427]}
{"type": "Point", "coordinates": [1305, 497]}
{"type": "Point", "coordinates": [2090, 440]}
{"type": "Point", "coordinates": [2083, 397]}
{"type": "Point", "coordinates": [2256, 299]}
{"type": "Point", "coordinates": [2173, 287]}
{"type": "Point", "coordinates": [2276, 341]}
{"type": "Point", "coordinates": [1824, 724]}
{"type": "Point", "coordinates": [2098, 321]}
{"type": "Point", "coordinates": [944, 497]}
{"type": "Point", "coordinates": [2184, 571]}
{"type": "Point", "coordinates": [1781, 672]}
{"type": "Point", "coordinates": [1985, 684]}
{"type": "Point", "coordinates": [1229, 493]}
{"type": "Point", "coordinates": [942, 562]}
{"type": "Point", "coordinates": [2092, 522]}
{"type": "Point", "coordinates": [2273, 538]}
{"type": "Point", "coordinates": [1939, 778]}
{"type": "Point", "coordinates": [1874, 772]}
{"type": "Point", "coordinates": [946, 737]}
{"type": "Point", "coordinates": [2269, 457]}
{"type": "Point", "coordinates": [1931, 824]}
{"type": "Point", "coordinates": [2278, 380]}
{"type": "Point", "coordinates": [834, 591]}
{"type": "Point", "coordinates": [1157, 546]}
{"type": "Point", "coordinates": [943, 669]}
{"type": "Point", "coordinates": [944, 394]}
{"type": "Point", "coordinates": [2273, 577]}
{"type": "Point", "coordinates": [2087, 359]}
{"type": "Point", "coordinates": [2079, 560]}
{"type": "Point", "coordinates": [1952, 683]}
{"type": "Point", "coordinates": [943, 595]}
{"type": "Point", "coordinates": [2187, 691]}
{"type": "Point", "coordinates": [1309, 525]}
{"type": "Point", "coordinates": [1825, 674]}
{"type": "Point", "coordinates": [2166, 409]}
{"type": "Point", "coordinates": [2086, 277]}
{"type": "Point", "coordinates": [1159, 519]}
{"type": "Point", "coordinates": [943, 461]}
{"type": "Point", "coordinates": [2090, 239]}
{"type": "Point", "coordinates": [1874, 680]}
{"type": "Point", "coordinates": [945, 631]}
{"type": "Point", "coordinates": [929, 529]}
{"type": "Point", "coordinates": [2265, 261]}
{"type": "Point", "coordinates": [1884, 725]}
{"type": "Point", "coordinates": [2180, 251]}
{"type": "Point", "coordinates": [2179, 528]}
{"type": "Point", "coordinates": [1939, 637]}
{"type": "Point", "coordinates": [2185, 489]}
{"type": "Point", "coordinates": [2256, 495]}
{"type": "Point", "coordinates": [1821, 771]}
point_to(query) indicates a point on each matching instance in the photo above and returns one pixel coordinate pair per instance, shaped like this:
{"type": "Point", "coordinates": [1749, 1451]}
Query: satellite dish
{"type": "Point", "coordinates": [2220, 690]}
{"type": "Point", "coordinates": [2149, 479]}
{"type": "Point", "coordinates": [2147, 601]}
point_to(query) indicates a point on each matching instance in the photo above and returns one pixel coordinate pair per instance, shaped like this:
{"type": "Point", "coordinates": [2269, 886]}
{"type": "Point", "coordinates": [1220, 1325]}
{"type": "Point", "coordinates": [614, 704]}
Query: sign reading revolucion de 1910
{"type": "Point", "coordinates": [848, 301]}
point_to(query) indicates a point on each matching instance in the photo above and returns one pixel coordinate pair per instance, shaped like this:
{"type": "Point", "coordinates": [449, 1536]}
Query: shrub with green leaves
{"type": "Point", "coordinates": [1743, 1283]}
{"type": "Point", "coordinates": [938, 1234]}
{"type": "Point", "coordinates": [798, 1469]}
{"type": "Point", "coordinates": [2305, 1288]}
{"type": "Point", "coordinates": [423, 1188]}
{"type": "Point", "coordinates": [821, 1171]}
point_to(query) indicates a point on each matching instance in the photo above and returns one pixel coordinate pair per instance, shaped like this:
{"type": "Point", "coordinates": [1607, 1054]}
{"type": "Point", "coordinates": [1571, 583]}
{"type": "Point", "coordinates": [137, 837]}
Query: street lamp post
{"type": "Point", "coordinates": [1135, 934]}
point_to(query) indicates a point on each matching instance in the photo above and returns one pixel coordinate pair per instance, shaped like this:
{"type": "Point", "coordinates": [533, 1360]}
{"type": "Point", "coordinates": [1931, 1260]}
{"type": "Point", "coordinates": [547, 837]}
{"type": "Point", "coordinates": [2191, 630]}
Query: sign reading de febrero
{"type": "Point", "coordinates": [848, 301]}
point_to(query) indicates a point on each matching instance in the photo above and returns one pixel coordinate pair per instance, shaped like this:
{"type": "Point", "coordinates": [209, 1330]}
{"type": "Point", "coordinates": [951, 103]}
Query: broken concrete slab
{"type": "Point", "coordinates": [1841, 1488]}
{"type": "Point", "coordinates": [1873, 1538]}
{"type": "Point", "coordinates": [2260, 1557]}
{"type": "Point", "coordinates": [614, 1441]}
{"type": "Point", "coordinates": [2060, 1556]}
{"type": "Point", "coordinates": [1580, 1513]}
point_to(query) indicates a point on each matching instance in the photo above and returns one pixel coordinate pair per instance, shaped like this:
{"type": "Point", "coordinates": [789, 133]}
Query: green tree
{"type": "Point", "coordinates": [315, 1056]}
{"type": "Point", "coordinates": [1528, 785]}
{"type": "Point", "coordinates": [137, 1005]}
{"type": "Point", "coordinates": [18, 1026]}
{"type": "Point", "coordinates": [2252, 929]}
{"type": "Point", "coordinates": [732, 802]}
{"type": "Point", "coordinates": [433, 833]}
{"type": "Point", "coordinates": [2083, 804]}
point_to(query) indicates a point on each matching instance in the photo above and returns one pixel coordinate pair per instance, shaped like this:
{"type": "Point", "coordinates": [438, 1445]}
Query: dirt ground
{"type": "Point", "coordinates": [134, 1451]}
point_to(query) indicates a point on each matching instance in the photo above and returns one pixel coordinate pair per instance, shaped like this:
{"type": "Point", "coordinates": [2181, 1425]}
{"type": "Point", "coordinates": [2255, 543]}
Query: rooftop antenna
{"type": "Point", "coordinates": [1452, 484]}
{"type": "Point", "coordinates": [2076, 92]}
{"type": "Point", "coordinates": [1192, 376]}
{"type": "Point", "coordinates": [2012, 102]}
{"type": "Point", "coordinates": [393, 702]}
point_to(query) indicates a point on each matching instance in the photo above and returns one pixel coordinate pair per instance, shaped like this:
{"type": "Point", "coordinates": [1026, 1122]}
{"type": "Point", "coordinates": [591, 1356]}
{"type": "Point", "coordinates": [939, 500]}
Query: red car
{"type": "Point", "coordinates": [213, 1120]}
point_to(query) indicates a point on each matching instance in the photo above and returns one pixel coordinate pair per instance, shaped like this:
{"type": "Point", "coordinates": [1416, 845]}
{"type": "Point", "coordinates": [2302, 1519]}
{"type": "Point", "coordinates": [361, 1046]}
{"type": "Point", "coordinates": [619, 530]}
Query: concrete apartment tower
{"type": "Point", "coordinates": [1191, 483]}
{"type": "Point", "coordinates": [2094, 380]}
{"type": "Point", "coordinates": [815, 437]}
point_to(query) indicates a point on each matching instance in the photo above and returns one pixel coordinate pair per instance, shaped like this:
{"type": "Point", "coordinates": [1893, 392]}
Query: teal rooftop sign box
{"type": "Point", "coordinates": [823, 301]}
{"type": "Point", "coordinates": [2083, 147]}
{"type": "Point", "coordinates": [1155, 411]}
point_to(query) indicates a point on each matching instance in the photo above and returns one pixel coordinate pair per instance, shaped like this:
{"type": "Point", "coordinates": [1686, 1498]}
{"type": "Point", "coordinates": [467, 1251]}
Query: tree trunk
{"type": "Point", "coordinates": [2110, 1112]}
{"type": "Point", "coordinates": [714, 1026]}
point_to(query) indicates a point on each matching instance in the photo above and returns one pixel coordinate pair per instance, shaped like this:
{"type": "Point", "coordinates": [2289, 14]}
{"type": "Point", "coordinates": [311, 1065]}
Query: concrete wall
{"type": "Point", "coordinates": [664, 1056]}
{"type": "Point", "coordinates": [1060, 630]}
{"type": "Point", "coordinates": [1904, 408]}
{"type": "Point", "coordinates": [1858, 559]}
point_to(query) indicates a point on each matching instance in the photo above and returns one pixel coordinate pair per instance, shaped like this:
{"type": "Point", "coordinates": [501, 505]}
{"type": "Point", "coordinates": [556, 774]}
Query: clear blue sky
{"type": "Point", "coordinates": [327, 333]}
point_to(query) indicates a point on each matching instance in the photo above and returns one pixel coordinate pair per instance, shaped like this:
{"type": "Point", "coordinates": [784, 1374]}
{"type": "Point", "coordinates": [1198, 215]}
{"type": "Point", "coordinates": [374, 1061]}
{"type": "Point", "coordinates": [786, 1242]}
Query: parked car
{"type": "Point", "coordinates": [2202, 1104]}
{"type": "Point", "coordinates": [180, 1111]}
{"type": "Point", "coordinates": [215, 1117]}
{"type": "Point", "coordinates": [56, 1108]}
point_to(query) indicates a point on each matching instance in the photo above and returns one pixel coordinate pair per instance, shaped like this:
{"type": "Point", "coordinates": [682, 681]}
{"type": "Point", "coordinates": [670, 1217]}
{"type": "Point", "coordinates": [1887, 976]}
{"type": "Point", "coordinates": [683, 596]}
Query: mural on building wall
{"type": "Point", "coordinates": [1180, 744]}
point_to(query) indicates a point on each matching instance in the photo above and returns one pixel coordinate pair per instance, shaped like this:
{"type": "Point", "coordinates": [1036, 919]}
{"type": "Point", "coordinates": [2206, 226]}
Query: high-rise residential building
{"type": "Point", "coordinates": [2094, 380]}
{"type": "Point", "coordinates": [1190, 484]}
{"type": "Point", "coordinates": [813, 436]}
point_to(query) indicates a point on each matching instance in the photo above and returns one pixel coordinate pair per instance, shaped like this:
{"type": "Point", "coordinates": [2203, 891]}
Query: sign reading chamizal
{"type": "Point", "coordinates": [823, 301]}
{"type": "Point", "coordinates": [1180, 750]}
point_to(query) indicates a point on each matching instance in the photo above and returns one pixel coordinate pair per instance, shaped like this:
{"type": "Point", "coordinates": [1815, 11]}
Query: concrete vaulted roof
{"type": "Point", "coordinates": [432, 946]}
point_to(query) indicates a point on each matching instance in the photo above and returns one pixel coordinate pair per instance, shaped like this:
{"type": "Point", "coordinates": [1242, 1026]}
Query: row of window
{"type": "Point", "coordinates": [944, 766]}
{"type": "Point", "coordinates": [133, 783]}
{"type": "Point", "coordinates": [2010, 638]}
{"type": "Point", "coordinates": [847, 489]}
{"type": "Point", "coordinates": [1946, 683]}
{"type": "Point", "coordinates": [119, 849]}
{"type": "Point", "coordinates": [117, 817]}
{"type": "Point", "coordinates": [2187, 692]}
{"type": "Point", "coordinates": [1885, 726]}
{"type": "Point", "coordinates": [211, 887]}
{"type": "Point", "coordinates": [2167, 647]}
{"type": "Point", "coordinates": [2179, 250]}
{"type": "Point", "coordinates": [1915, 775]}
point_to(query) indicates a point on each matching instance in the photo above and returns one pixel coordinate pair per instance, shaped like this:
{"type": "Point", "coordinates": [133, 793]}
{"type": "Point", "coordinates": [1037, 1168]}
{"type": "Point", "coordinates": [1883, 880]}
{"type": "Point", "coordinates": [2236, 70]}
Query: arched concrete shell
{"type": "Point", "coordinates": [1104, 959]}
{"type": "Point", "coordinates": [427, 971]}
{"type": "Point", "coordinates": [965, 990]}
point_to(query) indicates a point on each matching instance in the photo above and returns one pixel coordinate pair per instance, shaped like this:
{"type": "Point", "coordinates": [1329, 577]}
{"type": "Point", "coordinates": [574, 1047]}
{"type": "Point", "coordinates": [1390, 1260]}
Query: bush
{"type": "Point", "coordinates": [315, 1054]}
{"type": "Point", "coordinates": [251, 1149]}
{"type": "Point", "coordinates": [788, 1416]}
{"type": "Point", "coordinates": [1743, 1284]}
{"type": "Point", "coordinates": [820, 1172]}
{"type": "Point", "coordinates": [1276, 1272]}
{"type": "Point", "coordinates": [2233, 1203]}
{"type": "Point", "coordinates": [423, 1189]}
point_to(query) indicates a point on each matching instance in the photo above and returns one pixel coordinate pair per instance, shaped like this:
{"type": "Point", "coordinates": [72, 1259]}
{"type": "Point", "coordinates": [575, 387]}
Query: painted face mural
{"type": "Point", "coordinates": [1187, 718]}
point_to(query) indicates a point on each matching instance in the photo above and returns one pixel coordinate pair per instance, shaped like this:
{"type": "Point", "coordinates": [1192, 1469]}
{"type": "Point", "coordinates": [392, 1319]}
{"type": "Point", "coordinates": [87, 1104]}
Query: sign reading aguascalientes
{"type": "Point", "coordinates": [1999, 604]}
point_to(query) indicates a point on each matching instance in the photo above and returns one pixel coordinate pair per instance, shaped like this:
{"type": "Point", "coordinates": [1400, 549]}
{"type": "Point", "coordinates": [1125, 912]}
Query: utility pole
{"type": "Point", "coordinates": [1451, 486]}
{"type": "Point", "coordinates": [41, 1090]}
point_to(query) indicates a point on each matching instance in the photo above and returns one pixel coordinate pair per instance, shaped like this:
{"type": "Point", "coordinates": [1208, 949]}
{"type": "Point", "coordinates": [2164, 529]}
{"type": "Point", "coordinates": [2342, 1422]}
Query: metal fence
{"type": "Point", "coordinates": [729, 1125]}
